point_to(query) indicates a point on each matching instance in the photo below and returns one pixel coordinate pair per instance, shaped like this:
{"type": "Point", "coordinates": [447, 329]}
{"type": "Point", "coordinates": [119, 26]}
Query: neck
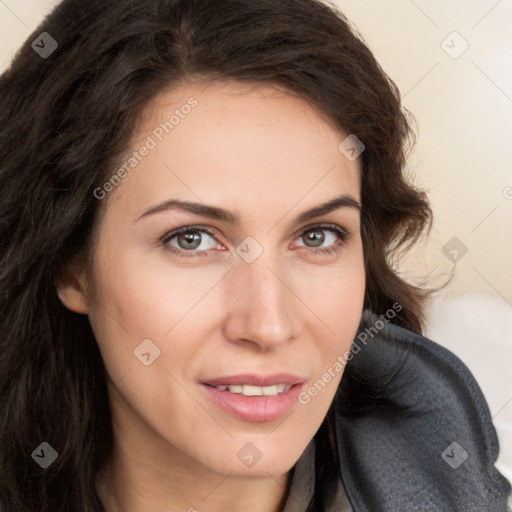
{"type": "Point", "coordinates": [124, 488]}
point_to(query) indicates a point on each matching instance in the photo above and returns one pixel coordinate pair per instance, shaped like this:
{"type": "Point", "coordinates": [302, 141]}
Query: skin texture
{"type": "Point", "coordinates": [268, 156]}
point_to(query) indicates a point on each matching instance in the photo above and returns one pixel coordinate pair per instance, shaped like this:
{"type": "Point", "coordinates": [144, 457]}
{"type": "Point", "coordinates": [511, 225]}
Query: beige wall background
{"type": "Point", "coordinates": [463, 105]}
{"type": "Point", "coordinates": [452, 62]}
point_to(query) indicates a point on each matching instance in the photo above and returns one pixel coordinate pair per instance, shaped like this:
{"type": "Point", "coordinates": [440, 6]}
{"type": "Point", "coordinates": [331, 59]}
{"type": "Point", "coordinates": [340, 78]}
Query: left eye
{"type": "Point", "coordinates": [316, 236]}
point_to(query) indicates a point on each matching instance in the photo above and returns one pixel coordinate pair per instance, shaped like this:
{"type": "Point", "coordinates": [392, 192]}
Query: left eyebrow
{"type": "Point", "coordinates": [344, 201]}
{"type": "Point", "coordinates": [214, 212]}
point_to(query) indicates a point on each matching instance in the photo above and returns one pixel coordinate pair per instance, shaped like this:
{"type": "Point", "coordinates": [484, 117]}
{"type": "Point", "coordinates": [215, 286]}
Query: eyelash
{"type": "Point", "coordinates": [342, 234]}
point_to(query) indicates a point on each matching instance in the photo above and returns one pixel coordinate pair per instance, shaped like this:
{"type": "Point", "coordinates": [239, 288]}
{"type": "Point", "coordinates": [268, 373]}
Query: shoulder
{"type": "Point", "coordinates": [413, 428]}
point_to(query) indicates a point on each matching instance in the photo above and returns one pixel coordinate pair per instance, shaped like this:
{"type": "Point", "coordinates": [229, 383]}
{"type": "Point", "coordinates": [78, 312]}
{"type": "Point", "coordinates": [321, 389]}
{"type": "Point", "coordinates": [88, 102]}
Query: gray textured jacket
{"type": "Point", "coordinates": [413, 432]}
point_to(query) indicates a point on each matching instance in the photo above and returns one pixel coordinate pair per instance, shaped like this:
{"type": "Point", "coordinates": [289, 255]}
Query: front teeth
{"type": "Point", "coordinates": [248, 390]}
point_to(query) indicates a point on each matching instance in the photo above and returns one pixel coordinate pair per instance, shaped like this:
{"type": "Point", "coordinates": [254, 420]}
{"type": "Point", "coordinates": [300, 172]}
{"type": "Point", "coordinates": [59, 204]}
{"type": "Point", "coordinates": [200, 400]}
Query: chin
{"type": "Point", "coordinates": [256, 459]}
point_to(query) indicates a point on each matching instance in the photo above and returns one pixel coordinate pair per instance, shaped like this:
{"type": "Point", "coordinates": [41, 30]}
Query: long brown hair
{"type": "Point", "coordinates": [64, 122]}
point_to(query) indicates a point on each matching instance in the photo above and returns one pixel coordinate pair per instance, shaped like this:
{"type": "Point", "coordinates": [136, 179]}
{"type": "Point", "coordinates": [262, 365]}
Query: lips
{"type": "Point", "coordinates": [256, 380]}
{"type": "Point", "coordinates": [229, 393]}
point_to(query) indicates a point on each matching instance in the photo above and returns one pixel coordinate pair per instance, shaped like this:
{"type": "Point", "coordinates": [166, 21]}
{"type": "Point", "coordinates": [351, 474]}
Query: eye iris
{"type": "Point", "coordinates": [194, 239]}
{"type": "Point", "coordinates": [317, 237]}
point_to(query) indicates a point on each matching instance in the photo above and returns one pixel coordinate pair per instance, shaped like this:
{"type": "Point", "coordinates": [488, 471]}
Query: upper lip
{"type": "Point", "coordinates": [253, 379]}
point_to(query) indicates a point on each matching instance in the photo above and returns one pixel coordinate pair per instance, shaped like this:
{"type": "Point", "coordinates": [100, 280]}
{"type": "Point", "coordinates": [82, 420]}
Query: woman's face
{"type": "Point", "coordinates": [258, 292]}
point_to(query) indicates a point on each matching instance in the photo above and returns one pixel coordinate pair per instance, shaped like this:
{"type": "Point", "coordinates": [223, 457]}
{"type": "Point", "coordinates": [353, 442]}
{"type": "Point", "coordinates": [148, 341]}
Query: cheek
{"type": "Point", "coordinates": [336, 296]}
{"type": "Point", "coordinates": [149, 296]}
{"type": "Point", "coordinates": [339, 305]}
{"type": "Point", "coordinates": [139, 299]}
{"type": "Point", "coordinates": [335, 293]}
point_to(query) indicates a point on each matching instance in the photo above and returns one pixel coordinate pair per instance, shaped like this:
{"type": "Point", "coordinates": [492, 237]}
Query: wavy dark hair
{"type": "Point", "coordinates": [66, 120]}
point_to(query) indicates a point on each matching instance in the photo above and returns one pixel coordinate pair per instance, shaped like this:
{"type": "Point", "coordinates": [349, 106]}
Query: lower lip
{"type": "Point", "coordinates": [254, 408]}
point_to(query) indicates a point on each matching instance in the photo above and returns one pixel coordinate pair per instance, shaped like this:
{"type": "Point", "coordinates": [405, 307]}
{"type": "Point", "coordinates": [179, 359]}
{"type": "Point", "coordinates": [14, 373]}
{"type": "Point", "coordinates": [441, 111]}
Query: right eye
{"type": "Point", "coordinates": [192, 239]}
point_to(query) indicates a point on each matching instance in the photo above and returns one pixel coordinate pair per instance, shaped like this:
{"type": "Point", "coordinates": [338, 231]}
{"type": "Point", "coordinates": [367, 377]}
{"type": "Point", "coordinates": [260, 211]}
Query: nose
{"type": "Point", "coordinates": [261, 307]}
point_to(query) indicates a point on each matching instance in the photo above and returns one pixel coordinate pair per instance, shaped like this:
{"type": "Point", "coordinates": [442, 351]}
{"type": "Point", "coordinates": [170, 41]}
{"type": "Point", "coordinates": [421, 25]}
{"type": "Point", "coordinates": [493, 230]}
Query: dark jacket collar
{"type": "Point", "coordinates": [303, 485]}
{"type": "Point", "coordinates": [413, 430]}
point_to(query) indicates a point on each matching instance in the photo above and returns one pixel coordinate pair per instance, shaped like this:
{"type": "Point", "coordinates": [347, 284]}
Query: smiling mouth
{"type": "Point", "coordinates": [255, 398]}
{"type": "Point", "coordinates": [249, 390]}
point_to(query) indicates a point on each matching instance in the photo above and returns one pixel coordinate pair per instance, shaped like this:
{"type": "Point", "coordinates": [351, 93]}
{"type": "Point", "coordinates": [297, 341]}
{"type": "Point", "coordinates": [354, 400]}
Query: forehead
{"type": "Point", "coordinates": [260, 109]}
{"type": "Point", "coordinates": [244, 141]}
